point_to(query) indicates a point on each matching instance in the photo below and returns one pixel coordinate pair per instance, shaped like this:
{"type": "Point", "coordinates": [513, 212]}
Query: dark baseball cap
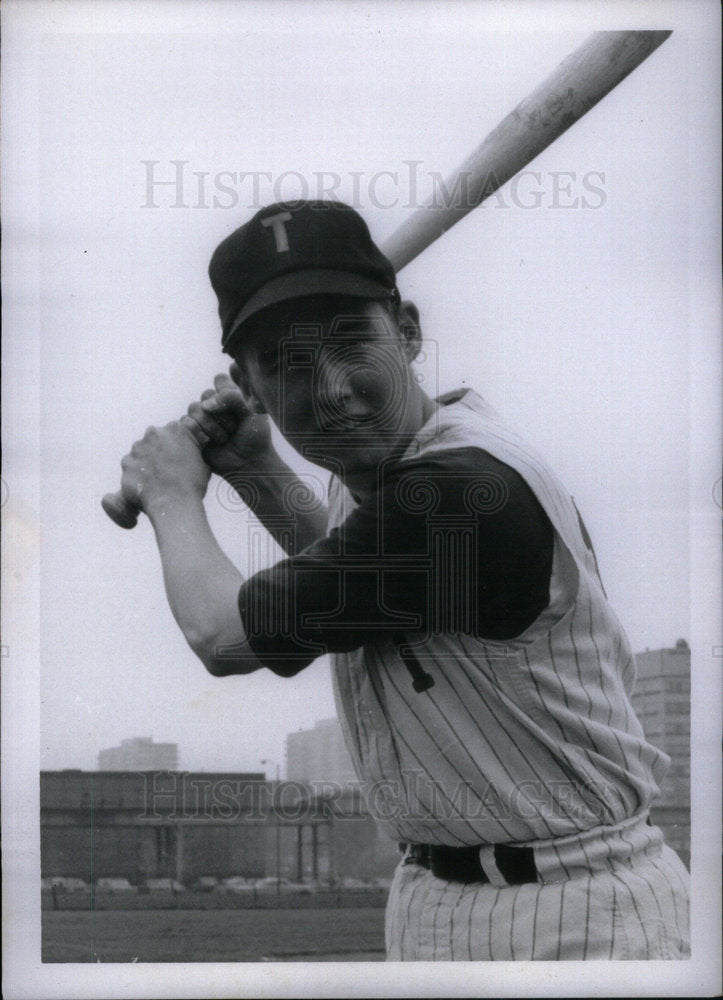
{"type": "Point", "coordinates": [293, 249]}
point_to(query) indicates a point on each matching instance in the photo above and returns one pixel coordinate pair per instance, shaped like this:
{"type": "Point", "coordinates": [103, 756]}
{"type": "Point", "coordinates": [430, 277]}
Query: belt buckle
{"type": "Point", "coordinates": [417, 854]}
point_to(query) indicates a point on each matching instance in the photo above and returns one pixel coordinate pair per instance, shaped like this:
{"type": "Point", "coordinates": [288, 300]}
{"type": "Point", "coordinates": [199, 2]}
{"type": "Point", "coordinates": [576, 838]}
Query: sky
{"type": "Point", "coordinates": [583, 301]}
{"type": "Point", "coordinates": [566, 300]}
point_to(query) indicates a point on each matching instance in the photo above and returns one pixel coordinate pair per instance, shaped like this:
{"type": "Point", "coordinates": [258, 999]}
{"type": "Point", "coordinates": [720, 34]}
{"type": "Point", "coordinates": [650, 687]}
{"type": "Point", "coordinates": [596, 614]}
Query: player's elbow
{"type": "Point", "coordinates": [224, 664]}
{"type": "Point", "coordinates": [223, 656]}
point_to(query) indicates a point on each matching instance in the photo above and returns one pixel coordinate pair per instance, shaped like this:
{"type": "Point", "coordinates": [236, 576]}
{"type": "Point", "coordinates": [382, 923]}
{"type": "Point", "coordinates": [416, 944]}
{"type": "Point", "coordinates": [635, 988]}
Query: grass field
{"type": "Point", "coordinates": [213, 935]}
{"type": "Point", "coordinates": [166, 900]}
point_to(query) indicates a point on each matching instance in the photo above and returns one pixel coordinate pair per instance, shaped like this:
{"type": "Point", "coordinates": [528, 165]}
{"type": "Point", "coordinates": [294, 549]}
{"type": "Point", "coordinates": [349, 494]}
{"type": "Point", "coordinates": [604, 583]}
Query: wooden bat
{"type": "Point", "coordinates": [578, 83]}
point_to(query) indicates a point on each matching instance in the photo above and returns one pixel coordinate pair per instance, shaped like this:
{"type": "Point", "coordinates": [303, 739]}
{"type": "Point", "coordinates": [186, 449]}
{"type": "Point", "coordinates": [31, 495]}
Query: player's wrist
{"type": "Point", "coordinates": [249, 467]}
{"type": "Point", "coordinates": [171, 504]}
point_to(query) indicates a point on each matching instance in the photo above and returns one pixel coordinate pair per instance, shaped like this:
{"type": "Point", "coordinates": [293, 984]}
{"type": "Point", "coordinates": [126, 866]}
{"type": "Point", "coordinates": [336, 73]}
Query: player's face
{"type": "Point", "coordinates": [334, 376]}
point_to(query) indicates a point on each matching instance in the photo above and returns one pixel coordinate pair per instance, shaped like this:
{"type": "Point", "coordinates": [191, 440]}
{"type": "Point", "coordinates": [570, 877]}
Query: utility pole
{"type": "Point", "coordinates": [179, 852]}
{"type": "Point", "coordinates": [278, 826]}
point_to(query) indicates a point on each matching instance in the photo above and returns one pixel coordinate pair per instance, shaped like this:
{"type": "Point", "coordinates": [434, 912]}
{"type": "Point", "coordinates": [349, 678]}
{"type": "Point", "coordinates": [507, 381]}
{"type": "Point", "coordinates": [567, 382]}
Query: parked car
{"type": "Point", "coordinates": [205, 883]}
{"type": "Point", "coordinates": [75, 884]}
{"type": "Point", "coordinates": [303, 888]}
{"type": "Point", "coordinates": [354, 883]}
{"type": "Point", "coordinates": [381, 883]}
{"type": "Point", "coordinates": [115, 885]}
{"type": "Point", "coordinates": [270, 881]}
{"type": "Point", "coordinates": [66, 883]}
{"type": "Point", "coordinates": [169, 884]}
{"type": "Point", "coordinates": [237, 883]}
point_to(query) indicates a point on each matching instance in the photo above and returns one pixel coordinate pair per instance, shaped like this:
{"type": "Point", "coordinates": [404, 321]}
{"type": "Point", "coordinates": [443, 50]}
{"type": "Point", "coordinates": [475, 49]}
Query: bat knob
{"type": "Point", "coordinates": [119, 510]}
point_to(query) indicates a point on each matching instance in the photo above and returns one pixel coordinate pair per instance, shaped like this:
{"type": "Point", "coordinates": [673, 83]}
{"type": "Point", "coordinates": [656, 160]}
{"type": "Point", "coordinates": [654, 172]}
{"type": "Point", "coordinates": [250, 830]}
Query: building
{"type": "Point", "coordinates": [184, 825]}
{"type": "Point", "coordinates": [319, 755]}
{"type": "Point", "coordinates": [319, 760]}
{"type": "Point", "coordinates": [139, 754]}
{"type": "Point", "coordinates": [661, 700]}
{"type": "Point", "coordinates": [138, 825]}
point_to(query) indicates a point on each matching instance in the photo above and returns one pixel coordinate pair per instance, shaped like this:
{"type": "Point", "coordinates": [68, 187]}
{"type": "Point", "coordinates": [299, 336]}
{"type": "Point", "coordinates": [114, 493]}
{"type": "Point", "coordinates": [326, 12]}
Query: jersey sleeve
{"type": "Point", "coordinates": [451, 542]}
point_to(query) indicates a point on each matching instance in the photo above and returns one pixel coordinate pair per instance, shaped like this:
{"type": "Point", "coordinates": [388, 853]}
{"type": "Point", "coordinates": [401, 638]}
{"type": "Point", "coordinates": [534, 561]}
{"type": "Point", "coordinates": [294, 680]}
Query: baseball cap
{"type": "Point", "coordinates": [293, 249]}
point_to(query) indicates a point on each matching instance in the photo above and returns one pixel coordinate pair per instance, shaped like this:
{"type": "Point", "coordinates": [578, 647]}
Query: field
{"type": "Point", "coordinates": [253, 935]}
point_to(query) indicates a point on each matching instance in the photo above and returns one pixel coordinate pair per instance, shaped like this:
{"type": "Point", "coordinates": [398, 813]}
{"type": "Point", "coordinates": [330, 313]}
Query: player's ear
{"type": "Point", "coordinates": [238, 373]}
{"type": "Point", "coordinates": [410, 328]}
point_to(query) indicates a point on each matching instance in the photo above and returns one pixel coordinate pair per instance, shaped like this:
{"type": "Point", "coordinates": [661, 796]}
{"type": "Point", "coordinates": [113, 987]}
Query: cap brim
{"type": "Point", "coordinates": [299, 284]}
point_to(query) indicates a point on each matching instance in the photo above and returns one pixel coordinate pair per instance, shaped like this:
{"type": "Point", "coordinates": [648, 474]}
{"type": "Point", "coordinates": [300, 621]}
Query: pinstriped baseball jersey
{"type": "Point", "coordinates": [517, 741]}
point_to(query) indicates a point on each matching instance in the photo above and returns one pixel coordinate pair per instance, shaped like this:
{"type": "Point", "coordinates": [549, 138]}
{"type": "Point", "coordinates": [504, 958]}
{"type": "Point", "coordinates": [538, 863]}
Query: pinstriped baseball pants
{"type": "Point", "coordinates": [632, 908]}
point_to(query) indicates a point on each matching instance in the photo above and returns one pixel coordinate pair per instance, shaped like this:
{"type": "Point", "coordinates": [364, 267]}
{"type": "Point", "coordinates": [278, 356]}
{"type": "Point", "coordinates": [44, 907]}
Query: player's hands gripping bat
{"type": "Point", "coordinates": [229, 435]}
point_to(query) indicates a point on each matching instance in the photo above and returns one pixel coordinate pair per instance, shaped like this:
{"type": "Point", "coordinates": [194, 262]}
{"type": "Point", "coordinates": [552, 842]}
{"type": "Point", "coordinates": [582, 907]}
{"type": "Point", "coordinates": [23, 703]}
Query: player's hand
{"type": "Point", "coordinates": [166, 464]}
{"type": "Point", "coordinates": [236, 437]}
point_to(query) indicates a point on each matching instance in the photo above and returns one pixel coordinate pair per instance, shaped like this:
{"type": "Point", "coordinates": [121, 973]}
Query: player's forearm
{"type": "Point", "coordinates": [202, 586]}
{"type": "Point", "coordinates": [279, 498]}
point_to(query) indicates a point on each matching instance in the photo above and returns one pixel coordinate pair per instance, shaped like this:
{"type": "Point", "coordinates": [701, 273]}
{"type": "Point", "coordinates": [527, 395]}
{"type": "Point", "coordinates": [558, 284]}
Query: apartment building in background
{"type": "Point", "coordinates": [139, 754]}
{"type": "Point", "coordinates": [319, 755]}
{"type": "Point", "coordinates": [661, 700]}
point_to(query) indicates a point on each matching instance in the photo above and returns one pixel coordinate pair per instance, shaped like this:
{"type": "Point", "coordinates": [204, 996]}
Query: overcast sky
{"type": "Point", "coordinates": [568, 300]}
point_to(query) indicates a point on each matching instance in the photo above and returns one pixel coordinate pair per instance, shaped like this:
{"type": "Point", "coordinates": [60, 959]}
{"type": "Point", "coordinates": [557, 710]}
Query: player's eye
{"type": "Point", "coordinates": [284, 366]}
{"type": "Point", "coordinates": [271, 362]}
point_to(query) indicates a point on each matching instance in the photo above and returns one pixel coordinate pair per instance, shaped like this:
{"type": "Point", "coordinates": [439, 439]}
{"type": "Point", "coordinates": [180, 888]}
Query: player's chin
{"type": "Point", "coordinates": [352, 449]}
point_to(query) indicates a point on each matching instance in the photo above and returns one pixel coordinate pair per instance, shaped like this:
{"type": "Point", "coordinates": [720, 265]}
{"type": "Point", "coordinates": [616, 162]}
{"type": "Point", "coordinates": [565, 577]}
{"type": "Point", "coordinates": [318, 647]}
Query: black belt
{"type": "Point", "coordinates": [462, 864]}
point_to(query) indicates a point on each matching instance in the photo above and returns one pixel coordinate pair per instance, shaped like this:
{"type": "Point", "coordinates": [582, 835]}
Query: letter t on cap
{"type": "Point", "coordinates": [279, 229]}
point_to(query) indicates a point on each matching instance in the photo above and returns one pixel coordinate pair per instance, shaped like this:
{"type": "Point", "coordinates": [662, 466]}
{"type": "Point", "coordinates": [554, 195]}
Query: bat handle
{"type": "Point", "coordinates": [125, 514]}
{"type": "Point", "coordinates": [119, 510]}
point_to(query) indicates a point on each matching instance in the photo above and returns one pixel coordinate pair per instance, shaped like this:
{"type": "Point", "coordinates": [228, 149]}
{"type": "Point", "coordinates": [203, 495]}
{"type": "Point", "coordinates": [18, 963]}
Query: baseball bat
{"type": "Point", "coordinates": [580, 81]}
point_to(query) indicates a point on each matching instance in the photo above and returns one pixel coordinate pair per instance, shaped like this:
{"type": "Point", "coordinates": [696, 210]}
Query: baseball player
{"type": "Point", "coordinates": [482, 678]}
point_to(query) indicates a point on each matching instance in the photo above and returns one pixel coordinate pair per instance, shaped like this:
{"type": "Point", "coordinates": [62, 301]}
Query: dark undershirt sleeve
{"type": "Point", "coordinates": [453, 542]}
